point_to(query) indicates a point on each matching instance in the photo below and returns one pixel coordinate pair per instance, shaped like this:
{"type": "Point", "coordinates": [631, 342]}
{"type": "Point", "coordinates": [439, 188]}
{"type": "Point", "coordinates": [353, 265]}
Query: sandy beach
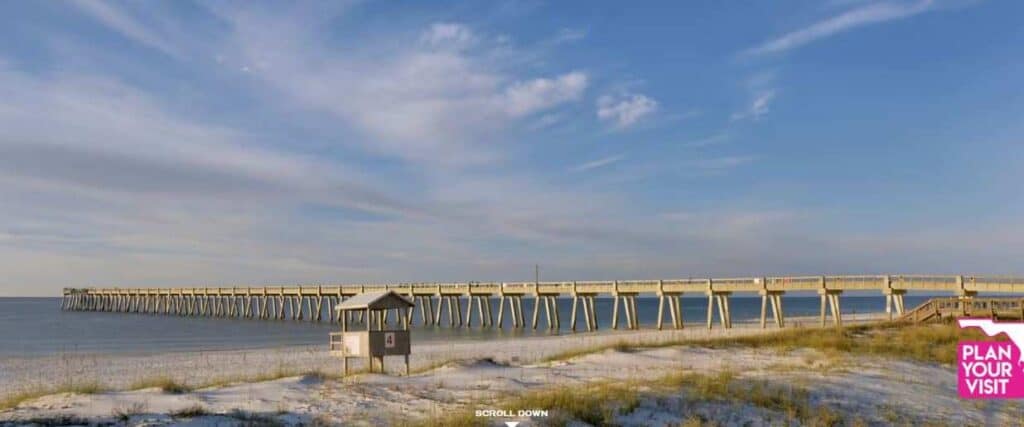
{"type": "Point", "coordinates": [453, 375]}
{"type": "Point", "coordinates": [197, 368]}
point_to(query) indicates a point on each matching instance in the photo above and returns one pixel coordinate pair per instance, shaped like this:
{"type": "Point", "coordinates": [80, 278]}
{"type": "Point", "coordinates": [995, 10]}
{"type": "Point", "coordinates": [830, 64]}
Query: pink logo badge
{"type": "Point", "coordinates": [991, 370]}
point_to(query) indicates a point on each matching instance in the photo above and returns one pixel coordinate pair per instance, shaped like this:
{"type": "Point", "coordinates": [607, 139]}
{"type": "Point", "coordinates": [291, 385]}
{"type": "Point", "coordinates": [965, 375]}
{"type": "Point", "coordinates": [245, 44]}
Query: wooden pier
{"type": "Point", "coordinates": [315, 303]}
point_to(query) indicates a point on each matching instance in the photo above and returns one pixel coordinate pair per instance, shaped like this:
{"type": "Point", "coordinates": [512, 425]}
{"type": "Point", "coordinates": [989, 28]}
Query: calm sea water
{"type": "Point", "coordinates": [37, 326]}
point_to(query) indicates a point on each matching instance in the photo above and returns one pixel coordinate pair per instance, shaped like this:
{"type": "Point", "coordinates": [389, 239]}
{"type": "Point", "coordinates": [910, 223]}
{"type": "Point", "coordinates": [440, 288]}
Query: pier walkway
{"type": "Point", "coordinates": [469, 304]}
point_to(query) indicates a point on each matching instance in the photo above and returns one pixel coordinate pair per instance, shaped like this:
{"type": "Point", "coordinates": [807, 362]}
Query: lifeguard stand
{"type": "Point", "coordinates": [381, 337]}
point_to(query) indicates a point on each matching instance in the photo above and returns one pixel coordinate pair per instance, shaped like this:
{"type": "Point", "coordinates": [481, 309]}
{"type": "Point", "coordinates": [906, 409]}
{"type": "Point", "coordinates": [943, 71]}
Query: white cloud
{"type": "Point", "coordinates": [599, 163]}
{"type": "Point", "coordinates": [411, 101]}
{"type": "Point", "coordinates": [870, 14]}
{"type": "Point", "coordinates": [569, 35]}
{"type": "Point", "coordinates": [625, 110]}
{"type": "Point", "coordinates": [449, 35]}
{"type": "Point", "coordinates": [759, 106]}
{"type": "Point", "coordinates": [524, 98]}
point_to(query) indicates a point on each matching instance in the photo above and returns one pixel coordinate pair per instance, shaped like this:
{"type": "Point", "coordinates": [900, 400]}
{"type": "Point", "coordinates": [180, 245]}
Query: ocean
{"type": "Point", "coordinates": [37, 326]}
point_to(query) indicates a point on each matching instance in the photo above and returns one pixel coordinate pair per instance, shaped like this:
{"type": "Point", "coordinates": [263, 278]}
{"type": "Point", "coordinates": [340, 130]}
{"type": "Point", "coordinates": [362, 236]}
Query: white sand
{"type": "Point", "coordinates": [864, 386]}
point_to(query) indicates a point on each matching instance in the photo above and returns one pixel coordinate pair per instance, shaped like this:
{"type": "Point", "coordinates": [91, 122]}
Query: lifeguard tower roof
{"type": "Point", "coordinates": [375, 301]}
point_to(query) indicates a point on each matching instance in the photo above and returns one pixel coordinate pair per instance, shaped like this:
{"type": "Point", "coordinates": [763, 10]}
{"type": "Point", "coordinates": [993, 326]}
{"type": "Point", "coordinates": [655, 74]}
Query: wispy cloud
{"type": "Point", "coordinates": [568, 35]}
{"type": "Point", "coordinates": [122, 22]}
{"type": "Point", "coordinates": [152, 185]}
{"type": "Point", "coordinates": [625, 110]}
{"type": "Point", "coordinates": [535, 95]}
{"type": "Point", "coordinates": [865, 15]}
{"type": "Point", "coordinates": [732, 224]}
{"type": "Point", "coordinates": [758, 107]}
{"type": "Point", "coordinates": [449, 35]}
{"type": "Point", "coordinates": [599, 163]}
{"type": "Point", "coordinates": [278, 150]}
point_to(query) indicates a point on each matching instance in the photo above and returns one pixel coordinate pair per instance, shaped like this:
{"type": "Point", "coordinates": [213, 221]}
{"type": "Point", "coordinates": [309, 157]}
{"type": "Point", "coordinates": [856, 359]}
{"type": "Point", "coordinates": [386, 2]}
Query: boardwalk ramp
{"type": "Point", "coordinates": [944, 308]}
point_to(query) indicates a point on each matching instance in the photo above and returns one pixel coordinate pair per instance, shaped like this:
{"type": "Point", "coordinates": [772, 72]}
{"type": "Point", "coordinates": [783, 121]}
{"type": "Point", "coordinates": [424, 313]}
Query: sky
{"type": "Point", "coordinates": [246, 143]}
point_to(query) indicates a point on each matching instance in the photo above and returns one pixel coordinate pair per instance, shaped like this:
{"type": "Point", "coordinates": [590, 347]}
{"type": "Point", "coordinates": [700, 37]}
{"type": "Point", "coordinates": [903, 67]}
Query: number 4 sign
{"type": "Point", "coordinates": [389, 340]}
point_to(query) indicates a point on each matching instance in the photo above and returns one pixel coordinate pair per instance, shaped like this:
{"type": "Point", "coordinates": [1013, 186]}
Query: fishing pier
{"type": "Point", "coordinates": [472, 304]}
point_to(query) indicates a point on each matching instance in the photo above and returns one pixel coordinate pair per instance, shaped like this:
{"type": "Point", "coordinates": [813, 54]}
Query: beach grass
{"type": "Point", "coordinates": [276, 374]}
{"type": "Point", "coordinates": [164, 383]}
{"type": "Point", "coordinates": [932, 343]}
{"type": "Point", "coordinates": [600, 403]}
{"type": "Point", "coordinates": [87, 387]}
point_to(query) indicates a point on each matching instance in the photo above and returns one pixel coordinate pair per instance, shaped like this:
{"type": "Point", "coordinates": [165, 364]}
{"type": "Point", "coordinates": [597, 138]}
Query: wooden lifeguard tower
{"type": "Point", "coordinates": [381, 337]}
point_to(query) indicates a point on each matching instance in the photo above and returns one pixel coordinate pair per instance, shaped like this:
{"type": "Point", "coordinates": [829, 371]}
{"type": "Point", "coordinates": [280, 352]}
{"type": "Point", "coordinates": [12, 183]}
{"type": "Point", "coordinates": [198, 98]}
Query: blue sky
{"type": "Point", "coordinates": [232, 143]}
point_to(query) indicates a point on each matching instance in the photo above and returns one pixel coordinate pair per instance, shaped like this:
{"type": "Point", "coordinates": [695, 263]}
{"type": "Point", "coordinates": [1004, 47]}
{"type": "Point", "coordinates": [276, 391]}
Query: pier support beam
{"type": "Point", "coordinates": [437, 312]}
{"type": "Point", "coordinates": [516, 310]}
{"type": "Point", "coordinates": [550, 313]}
{"type": "Point", "coordinates": [675, 313]}
{"type": "Point", "coordinates": [721, 299]}
{"type": "Point", "coordinates": [536, 310]}
{"type": "Point", "coordinates": [480, 310]}
{"type": "Point", "coordinates": [894, 302]}
{"type": "Point", "coordinates": [572, 319]}
{"type": "Point", "coordinates": [775, 297]}
{"type": "Point", "coordinates": [458, 307]}
{"type": "Point", "coordinates": [830, 297]}
{"type": "Point", "coordinates": [501, 310]}
{"type": "Point", "coordinates": [519, 311]}
{"type": "Point", "coordinates": [615, 311]}
{"type": "Point", "coordinates": [490, 312]}
{"type": "Point", "coordinates": [589, 316]}
{"type": "Point", "coordinates": [554, 321]}
{"type": "Point", "coordinates": [628, 301]}
{"type": "Point", "coordinates": [483, 310]}
{"type": "Point", "coordinates": [430, 309]}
